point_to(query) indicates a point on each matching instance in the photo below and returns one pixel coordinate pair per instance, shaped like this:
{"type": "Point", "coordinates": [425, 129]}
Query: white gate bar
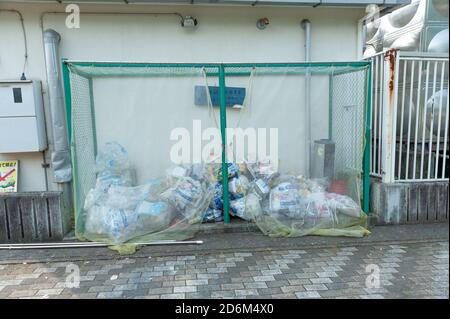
{"type": "Point", "coordinates": [393, 122]}
{"type": "Point", "coordinates": [376, 114]}
{"type": "Point", "coordinates": [422, 156]}
{"type": "Point", "coordinates": [445, 136]}
{"type": "Point", "coordinates": [405, 67]}
{"type": "Point", "coordinates": [374, 117]}
{"type": "Point", "coordinates": [430, 142]}
{"type": "Point", "coordinates": [390, 76]}
{"type": "Point", "coordinates": [441, 97]}
{"type": "Point", "coordinates": [409, 120]}
{"type": "Point", "coordinates": [417, 118]}
{"type": "Point", "coordinates": [380, 111]}
{"type": "Point", "coordinates": [410, 55]}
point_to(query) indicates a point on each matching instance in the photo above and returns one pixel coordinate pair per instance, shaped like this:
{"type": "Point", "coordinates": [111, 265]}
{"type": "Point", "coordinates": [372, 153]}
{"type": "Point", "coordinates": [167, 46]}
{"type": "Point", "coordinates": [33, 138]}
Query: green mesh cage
{"type": "Point", "coordinates": [340, 89]}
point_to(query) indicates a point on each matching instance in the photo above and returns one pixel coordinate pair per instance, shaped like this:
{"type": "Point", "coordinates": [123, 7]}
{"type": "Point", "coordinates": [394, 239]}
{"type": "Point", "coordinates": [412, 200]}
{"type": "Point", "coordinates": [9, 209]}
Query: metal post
{"type": "Point", "coordinates": [388, 115]}
{"type": "Point", "coordinates": [79, 223]}
{"type": "Point", "coordinates": [223, 126]}
{"type": "Point", "coordinates": [367, 146]}
{"type": "Point", "coordinates": [94, 126]}
{"type": "Point", "coordinates": [68, 99]}
{"type": "Point", "coordinates": [330, 107]}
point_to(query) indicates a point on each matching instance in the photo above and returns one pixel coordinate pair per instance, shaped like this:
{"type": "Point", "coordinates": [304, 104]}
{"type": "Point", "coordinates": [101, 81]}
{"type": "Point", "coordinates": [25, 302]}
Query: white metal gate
{"type": "Point", "coordinates": [409, 119]}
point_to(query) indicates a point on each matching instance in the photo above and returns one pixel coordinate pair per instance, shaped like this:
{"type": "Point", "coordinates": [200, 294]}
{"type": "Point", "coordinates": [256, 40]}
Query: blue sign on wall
{"type": "Point", "coordinates": [233, 95]}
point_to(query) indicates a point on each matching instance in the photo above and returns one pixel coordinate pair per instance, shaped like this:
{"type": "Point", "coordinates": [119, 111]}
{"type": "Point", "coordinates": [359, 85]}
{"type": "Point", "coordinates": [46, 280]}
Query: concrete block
{"type": "Point", "coordinates": [33, 217]}
{"type": "Point", "coordinates": [409, 203]}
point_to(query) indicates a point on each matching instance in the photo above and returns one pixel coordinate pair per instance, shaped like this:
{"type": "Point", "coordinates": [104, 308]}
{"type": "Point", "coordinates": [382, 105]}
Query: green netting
{"type": "Point", "coordinates": [136, 105]}
{"type": "Point", "coordinates": [298, 201]}
{"type": "Point", "coordinates": [348, 123]}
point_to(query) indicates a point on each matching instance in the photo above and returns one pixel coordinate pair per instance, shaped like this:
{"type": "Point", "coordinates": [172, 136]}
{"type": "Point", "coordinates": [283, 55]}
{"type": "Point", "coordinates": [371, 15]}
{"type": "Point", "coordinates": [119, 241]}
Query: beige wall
{"type": "Point", "coordinates": [224, 34]}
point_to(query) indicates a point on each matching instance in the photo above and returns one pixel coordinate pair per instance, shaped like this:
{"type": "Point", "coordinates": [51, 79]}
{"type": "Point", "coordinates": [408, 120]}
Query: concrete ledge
{"type": "Point", "coordinates": [409, 203]}
{"type": "Point", "coordinates": [32, 217]}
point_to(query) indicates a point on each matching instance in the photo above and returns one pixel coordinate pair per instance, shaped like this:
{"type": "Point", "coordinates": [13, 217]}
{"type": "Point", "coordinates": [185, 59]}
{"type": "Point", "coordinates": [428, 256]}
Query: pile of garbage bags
{"type": "Point", "coordinates": [117, 211]}
{"type": "Point", "coordinates": [297, 206]}
{"type": "Point", "coordinates": [288, 205]}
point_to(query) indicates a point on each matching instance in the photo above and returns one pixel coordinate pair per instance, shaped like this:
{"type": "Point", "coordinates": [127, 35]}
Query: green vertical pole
{"type": "Point", "coordinates": [79, 225]}
{"type": "Point", "coordinates": [330, 107]}
{"type": "Point", "coordinates": [366, 163]}
{"type": "Point", "coordinates": [68, 98]}
{"type": "Point", "coordinates": [94, 127]}
{"type": "Point", "coordinates": [223, 126]}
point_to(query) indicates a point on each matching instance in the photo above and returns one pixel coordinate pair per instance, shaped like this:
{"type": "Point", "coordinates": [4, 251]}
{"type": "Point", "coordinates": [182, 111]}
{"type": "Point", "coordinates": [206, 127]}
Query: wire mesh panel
{"type": "Point", "coordinates": [298, 139]}
{"type": "Point", "coordinates": [138, 174]}
{"type": "Point", "coordinates": [348, 119]}
{"type": "Point", "coordinates": [83, 143]}
{"type": "Point", "coordinates": [178, 144]}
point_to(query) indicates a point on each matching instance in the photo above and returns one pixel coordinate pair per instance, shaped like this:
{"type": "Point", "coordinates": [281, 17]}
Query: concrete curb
{"type": "Point", "coordinates": [234, 242]}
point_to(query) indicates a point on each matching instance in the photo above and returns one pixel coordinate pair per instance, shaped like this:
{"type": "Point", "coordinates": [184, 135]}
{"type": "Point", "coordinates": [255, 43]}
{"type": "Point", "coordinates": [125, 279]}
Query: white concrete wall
{"type": "Point", "coordinates": [224, 34]}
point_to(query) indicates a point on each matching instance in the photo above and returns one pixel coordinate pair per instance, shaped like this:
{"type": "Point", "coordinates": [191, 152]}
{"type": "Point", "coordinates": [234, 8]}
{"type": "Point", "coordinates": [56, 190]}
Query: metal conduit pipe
{"type": "Point", "coordinates": [61, 152]}
{"type": "Point", "coordinates": [306, 25]}
{"type": "Point", "coordinates": [92, 244]}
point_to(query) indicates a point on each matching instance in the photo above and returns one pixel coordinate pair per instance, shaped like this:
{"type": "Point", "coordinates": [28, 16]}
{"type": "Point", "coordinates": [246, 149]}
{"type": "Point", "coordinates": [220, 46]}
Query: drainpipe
{"type": "Point", "coordinates": [306, 26]}
{"type": "Point", "coordinates": [61, 152]}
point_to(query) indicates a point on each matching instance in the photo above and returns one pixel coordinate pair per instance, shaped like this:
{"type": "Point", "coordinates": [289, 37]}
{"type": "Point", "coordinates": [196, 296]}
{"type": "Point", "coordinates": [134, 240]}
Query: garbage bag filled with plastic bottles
{"type": "Point", "coordinates": [170, 208]}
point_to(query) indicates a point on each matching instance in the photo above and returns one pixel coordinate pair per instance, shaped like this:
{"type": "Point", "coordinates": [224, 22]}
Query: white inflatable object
{"type": "Point", "coordinates": [439, 43]}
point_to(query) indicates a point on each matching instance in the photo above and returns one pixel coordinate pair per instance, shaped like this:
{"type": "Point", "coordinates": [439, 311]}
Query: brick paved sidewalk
{"type": "Point", "coordinates": [412, 270]}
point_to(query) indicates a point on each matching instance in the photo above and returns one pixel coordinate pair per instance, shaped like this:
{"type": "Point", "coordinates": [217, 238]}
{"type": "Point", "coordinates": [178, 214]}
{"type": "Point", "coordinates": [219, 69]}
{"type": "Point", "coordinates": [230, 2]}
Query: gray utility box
{"type": "Point", "coordinates": [33, 217]}
{"type": "Point", "coordinates": [322, 159]}
{"type": "Point", "coordinates": [22, 124]}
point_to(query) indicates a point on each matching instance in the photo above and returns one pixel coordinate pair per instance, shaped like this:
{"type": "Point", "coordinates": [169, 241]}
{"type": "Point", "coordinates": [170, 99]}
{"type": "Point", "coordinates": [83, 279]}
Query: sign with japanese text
{"type": "Point", "coordinates": [8, 176]}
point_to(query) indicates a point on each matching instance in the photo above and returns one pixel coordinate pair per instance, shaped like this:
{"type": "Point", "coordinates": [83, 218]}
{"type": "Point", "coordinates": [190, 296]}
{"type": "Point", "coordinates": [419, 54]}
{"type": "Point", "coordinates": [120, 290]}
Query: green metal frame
{"type": "Point", "coordinates": [222, 73]}
{"type": "Point", "coordinates": [367, 147]}
{"type": "Point", "coordinates": [223, 127]}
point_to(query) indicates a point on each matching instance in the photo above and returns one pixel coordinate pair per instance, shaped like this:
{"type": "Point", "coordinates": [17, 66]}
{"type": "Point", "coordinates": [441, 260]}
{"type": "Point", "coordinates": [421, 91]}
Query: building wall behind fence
{"type": "Point", "coordinates": [224, 34]}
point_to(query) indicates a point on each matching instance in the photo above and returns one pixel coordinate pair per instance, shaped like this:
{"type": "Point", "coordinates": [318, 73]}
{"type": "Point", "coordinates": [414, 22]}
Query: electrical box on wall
{"type": "Point", "coordinates": [22, 125]}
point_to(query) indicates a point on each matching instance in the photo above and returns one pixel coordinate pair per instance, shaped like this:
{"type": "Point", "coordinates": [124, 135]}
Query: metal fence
{"type": "Point", "coordinates": [409, 126]}
{"type": "Point", "coordinates": [347, 102]}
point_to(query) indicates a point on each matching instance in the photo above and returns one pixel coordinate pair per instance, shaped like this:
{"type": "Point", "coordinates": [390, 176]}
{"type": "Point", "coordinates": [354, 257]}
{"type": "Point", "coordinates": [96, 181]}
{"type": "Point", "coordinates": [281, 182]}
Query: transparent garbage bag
{"type": "Point", "coordinates": [112, 158]}
{"type": "Point", "coordinates": [117, 213]}
{"type": "Point", "coordinates": [217, 199]}
{"type": "Point", "coordinates": [124, 215]}
{"type": "Point", "coordinates": [238, 186]}
{"type": "Point", "coordinates": [123, 197]}
{"type": "Point", "coordinates": [247, 208]}
{"type": "Point", "coordinates": [284, 197]}
{"type": "Point", "coordinates": [237, 208]}
{"type": "Point", "coordinates": [189, 196]}
{"type": "Point", "coordinates": [232, 168]}
{"type": "Point", "coordinates": [298, 206]}
{"type": "Point", "coordinates": [253, 208]}
{"type": "Point", "coordinates": [212, 215]}
{"type": "Point", "coordinates": [263, 169]}
{"type": "Point", "coordinates": [118, 225]}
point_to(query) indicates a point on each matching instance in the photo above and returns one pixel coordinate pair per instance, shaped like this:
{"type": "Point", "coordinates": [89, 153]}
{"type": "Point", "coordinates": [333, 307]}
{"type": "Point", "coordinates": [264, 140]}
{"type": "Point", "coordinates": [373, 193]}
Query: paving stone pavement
{"type": "Point", "coordinates": [406, 270]}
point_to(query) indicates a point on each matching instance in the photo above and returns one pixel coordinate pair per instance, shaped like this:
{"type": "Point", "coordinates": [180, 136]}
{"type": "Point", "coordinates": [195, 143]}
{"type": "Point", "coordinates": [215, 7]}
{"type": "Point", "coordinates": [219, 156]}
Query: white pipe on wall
{"type": "Point", "coordinates": [306, 25]}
